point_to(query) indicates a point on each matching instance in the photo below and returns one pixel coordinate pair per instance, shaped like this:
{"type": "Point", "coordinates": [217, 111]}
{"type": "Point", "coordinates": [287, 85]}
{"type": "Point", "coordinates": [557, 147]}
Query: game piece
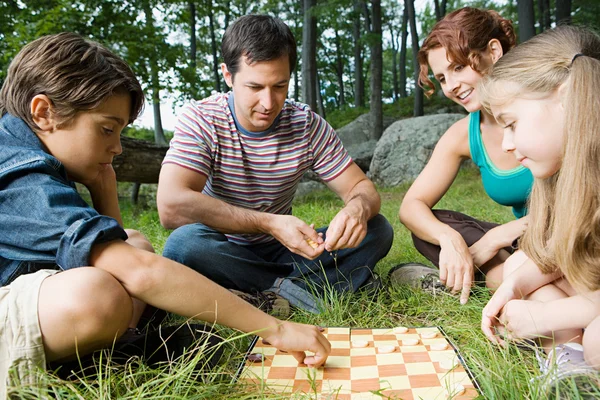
{"type": "Point", "coordinates": [360, 343]}
{"type": "Point", "coordinates": [255, 357]}
{"type": "Point", "coordinates": [312, 243]}
{"type": "Point", "coordinates": [352, 373]}
{"type": "Point", "coordinates": [428, 335]}
{"type": "Point", "coordinates": [386, 349]}
{"type": "Point", "coordinates": [438, 346]}
{"type": "Point", "coordinates": [410, 342]}
{"type": "Point", "coordinates": [400, 329]}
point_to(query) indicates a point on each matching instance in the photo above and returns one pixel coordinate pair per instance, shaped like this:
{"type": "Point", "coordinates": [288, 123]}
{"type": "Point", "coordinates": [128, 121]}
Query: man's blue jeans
{"type": "Point", "coordinates": [273, 267]}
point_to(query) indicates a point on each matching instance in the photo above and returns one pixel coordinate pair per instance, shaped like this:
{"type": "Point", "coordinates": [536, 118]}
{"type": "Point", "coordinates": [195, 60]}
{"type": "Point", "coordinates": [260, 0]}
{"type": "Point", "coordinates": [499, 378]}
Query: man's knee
{"type": "Point", "coordinates": [192, 244]}
{"type": "Point", "coordinates": [138, 240]}
{"type": "Point", "coordinates": [381, 232]}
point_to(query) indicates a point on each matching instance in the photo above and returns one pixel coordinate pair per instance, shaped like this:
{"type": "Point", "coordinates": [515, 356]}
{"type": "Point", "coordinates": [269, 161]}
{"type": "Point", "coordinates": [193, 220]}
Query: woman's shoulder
{"type": "Point", "coordinates": [457, 137]}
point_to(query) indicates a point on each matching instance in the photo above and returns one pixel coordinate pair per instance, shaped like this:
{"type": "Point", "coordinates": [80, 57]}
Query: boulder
{"type": "Point", "coordinates": [405, 148]}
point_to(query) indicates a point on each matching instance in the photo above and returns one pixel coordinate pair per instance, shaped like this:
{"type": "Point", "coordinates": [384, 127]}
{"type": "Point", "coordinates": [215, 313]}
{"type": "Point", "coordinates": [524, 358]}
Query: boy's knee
{"type": "Point", "coordinates": [99, 304]}
{"type": "Point", "coordinates": [138, 240]}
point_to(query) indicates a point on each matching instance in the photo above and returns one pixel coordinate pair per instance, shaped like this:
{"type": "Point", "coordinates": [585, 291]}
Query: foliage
{"type": "Point", "coordinates": [139, 132]}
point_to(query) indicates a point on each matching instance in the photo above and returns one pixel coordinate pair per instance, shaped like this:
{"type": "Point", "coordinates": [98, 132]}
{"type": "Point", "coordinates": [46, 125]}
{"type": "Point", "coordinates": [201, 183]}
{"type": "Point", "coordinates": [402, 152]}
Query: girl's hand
{"type": "Point", "coordinates": [456, 266]}
{"type": "Point", "coordinates": [491, 312]}
{"type": "Point", "coordinates": [297, 338]}
{"type": "Point", "coordinates": [524, 319]}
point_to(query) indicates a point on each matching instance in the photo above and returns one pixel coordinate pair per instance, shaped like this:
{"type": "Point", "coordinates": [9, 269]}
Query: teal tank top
{"type": "Point", "coordinates": [507, 187]}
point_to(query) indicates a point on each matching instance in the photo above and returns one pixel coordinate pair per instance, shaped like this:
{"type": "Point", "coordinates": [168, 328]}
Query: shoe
{"type": "Point", "coordinates": [566, 361]}
{"type": "Point", "coordinates": [161, 345]}
{"type": "Point", "coordinates": [373, 285]}
{"type": "Point", "coordinates": [267, 301]}
{"type": "Point", "coordinates": [416, 275]}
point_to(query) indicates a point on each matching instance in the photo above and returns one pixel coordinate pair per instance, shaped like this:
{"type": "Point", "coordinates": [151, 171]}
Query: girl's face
{"type": "Point", "coordinates": [458, 82]}
{"type": "Point", "coordinates": [534, 132]}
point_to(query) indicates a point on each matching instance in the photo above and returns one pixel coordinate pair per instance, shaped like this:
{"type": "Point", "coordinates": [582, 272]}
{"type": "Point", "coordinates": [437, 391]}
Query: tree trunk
{"type": "Point", "coordinates": [526, 19]}
{"type": "Point", "coordinates": [359, 86]}
{"type": "Point", "coordinates": [213, 45]}
{"type": "Point", "coordinates": [438, 11]}
{"type": "Point", "coordinates": [320, 105]}
{"type": "Point", "coordinates": [376, 72]}
{"type": "Point", "coordinates": [140, 161]}
{"type": "Point", "coordinates": [309, 55]}
{"type": "Point", "coordinates": [339, 68]}
{"type": "Point", "coordinates": [192, 8]}
{"type": "Point", "coordinates": [443, 8]}
{"type": "Point", "coordinates": [418, 106]}
{"type": "Point", "coordinates": [547, 18]}
{"type": "Point", "coordinates": [563, 12]}
{"type": "Point", "coordinates": [296, 85]}
{"type": "Point", "coordinates": [395, 90]}
{"type": "Point", "coordinates": [402, 62]}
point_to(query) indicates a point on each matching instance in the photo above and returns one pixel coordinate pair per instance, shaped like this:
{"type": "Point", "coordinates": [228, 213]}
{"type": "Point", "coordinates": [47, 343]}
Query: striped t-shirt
{"type": "Point", "coordinates": [255, 170]}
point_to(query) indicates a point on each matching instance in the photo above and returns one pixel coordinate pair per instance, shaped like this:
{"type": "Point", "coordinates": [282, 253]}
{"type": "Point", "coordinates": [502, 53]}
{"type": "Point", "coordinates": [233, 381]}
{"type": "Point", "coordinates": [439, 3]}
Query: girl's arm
{"type": "Point", "coordinates": [456, 264]}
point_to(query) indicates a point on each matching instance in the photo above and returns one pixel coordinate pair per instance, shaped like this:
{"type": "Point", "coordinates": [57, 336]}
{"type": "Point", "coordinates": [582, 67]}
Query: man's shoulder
{"type": "Point", "coordinates": [215, 104]}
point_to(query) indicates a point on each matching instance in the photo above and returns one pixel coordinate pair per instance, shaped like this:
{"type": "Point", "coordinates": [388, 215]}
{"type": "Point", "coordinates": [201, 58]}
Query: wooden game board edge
{"type": "Point", "coordinates": [240, 369]}
{"type": "Point", "coordinates": [462, 361]}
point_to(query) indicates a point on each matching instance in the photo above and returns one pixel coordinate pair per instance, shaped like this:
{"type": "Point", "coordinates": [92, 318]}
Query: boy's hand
{"type": "Point", "coordinates": [298, 338]}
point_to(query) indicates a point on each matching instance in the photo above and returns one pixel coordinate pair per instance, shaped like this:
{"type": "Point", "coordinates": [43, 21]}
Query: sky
{"type": "Point", "coordinates": [169, 117]}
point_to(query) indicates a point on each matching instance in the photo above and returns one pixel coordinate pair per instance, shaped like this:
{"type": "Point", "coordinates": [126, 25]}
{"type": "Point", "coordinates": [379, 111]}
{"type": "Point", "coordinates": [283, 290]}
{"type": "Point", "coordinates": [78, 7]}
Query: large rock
{"type": "Point", "coordinates": [405, 148]}
{"type": "Point", "coordinates": [357, 140]}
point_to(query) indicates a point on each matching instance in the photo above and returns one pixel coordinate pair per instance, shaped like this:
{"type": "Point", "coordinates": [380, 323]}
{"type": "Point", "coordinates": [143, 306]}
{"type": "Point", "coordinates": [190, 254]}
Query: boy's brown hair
{"type": "Point", "coordinates": [76, 74]}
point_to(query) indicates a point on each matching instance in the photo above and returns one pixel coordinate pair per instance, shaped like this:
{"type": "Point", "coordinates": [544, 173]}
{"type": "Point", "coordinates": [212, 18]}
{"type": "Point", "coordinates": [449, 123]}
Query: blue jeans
{"type": "Point", "coordinates": [272, 267]}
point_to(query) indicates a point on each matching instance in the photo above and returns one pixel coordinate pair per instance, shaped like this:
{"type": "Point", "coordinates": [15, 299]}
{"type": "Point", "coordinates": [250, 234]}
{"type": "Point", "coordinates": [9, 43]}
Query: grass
{"type": "Point", "coordinates": [501, 373]}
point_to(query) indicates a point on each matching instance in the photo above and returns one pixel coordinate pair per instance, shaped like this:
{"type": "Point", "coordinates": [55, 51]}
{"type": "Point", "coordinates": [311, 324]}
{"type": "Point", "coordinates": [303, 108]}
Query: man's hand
{"type": "Point", "coordinates": [347, 229]}
{"type": "Point", "coordinates": [298, 338]}
{"type": "Point", "coordinates": [294, 233]}
{"type": "Point", "coordinates": [456, 266]}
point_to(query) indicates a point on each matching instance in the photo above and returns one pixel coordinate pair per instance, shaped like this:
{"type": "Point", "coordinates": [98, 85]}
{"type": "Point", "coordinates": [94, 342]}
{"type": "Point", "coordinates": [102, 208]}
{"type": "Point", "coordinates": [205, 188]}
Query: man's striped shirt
{"type": "Point", "coordinates": [258, 171]}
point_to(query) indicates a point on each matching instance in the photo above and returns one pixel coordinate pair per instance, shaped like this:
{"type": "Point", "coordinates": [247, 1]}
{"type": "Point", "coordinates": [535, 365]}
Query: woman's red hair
{"type": "Point", "coordinates": [465, 34]}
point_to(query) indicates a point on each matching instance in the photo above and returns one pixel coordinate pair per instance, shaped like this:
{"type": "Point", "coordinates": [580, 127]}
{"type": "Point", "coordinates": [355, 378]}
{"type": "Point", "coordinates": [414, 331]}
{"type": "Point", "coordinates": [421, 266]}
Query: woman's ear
{"type": "Point", "coordinates": [495, 50]}
{"type": "Point", "coordinates": [42, 114]}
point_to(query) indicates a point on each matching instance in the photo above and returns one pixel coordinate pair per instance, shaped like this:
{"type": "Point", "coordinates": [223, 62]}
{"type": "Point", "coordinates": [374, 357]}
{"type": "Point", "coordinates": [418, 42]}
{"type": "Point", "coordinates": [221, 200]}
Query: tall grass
{"type": "Point", "coordinates": [502, 373]}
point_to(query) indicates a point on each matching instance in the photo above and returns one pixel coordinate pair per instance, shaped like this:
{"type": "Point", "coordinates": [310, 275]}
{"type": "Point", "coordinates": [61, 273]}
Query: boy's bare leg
{"type": "Point", "coordinates": [81, 310]}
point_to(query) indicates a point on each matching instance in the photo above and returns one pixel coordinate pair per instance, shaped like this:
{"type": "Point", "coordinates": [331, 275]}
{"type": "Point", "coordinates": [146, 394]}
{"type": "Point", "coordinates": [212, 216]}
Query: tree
{"type": "Point", "coordinates": [376, 106]}
{"type": "Point", "coordinates": [359, 83]}
{"type": "Point", "coordinates": [543, 14]}
{"type": "Point", "coordinates": [309, 60]}
{"type": "Point", "coordinates": [213, 45]}
{"type": "Point", "coordinates": [418, 106]}
{"type": "Point", "coordinates": [526, 19]}
{"type": "Point", "coordinates": [402, 61]}
{"type": "Point", "coordinates": [563, 12]}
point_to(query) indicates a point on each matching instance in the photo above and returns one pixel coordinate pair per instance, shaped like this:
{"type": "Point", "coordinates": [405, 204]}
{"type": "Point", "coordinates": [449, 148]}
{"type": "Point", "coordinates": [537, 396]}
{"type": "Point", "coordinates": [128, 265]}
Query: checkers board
{"type": "Point", "coordinates": [418, 371]}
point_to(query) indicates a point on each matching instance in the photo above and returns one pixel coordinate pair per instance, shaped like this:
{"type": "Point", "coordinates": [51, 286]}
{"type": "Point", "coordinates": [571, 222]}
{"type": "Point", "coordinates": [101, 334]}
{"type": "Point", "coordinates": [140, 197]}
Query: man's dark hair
{"type": "Point", "coordinates": [259, 38]}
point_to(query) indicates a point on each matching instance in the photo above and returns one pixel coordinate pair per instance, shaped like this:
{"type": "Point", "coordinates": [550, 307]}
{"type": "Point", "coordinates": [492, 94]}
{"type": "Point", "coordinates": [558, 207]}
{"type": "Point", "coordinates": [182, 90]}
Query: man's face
{"type": "Point", "coordinates": [259, 91]}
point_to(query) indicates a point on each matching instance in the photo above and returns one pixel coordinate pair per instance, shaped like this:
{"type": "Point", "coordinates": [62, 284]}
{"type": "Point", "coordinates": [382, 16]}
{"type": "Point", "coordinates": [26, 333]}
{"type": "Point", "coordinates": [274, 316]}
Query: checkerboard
{"type": "Point", "coordinates": [409, 372]}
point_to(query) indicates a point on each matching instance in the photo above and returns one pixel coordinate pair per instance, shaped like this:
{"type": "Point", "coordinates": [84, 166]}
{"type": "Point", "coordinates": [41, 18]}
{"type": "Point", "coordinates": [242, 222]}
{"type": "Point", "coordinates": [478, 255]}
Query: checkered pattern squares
{"type": "Point", "coordinates": [353, 373]}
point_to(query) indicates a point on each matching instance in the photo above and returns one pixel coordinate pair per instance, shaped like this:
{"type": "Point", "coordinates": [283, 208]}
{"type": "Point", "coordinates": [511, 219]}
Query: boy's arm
{"type": "Point", "coordinates": [173, 287]}
{"type": "Point", "coordinates": [103, 191]}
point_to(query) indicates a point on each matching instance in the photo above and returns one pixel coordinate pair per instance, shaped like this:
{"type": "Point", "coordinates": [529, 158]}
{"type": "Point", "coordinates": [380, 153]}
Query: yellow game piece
{"type": "Point", "coordinates": [312, 243]}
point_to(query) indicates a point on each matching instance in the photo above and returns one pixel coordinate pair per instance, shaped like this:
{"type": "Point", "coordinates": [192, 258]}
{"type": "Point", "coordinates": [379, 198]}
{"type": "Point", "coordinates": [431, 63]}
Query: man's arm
{"type": "Point", "coordinates": [180, 201]}
{"type": "Point", "coordinates": [361, 203]}
{"type": "Point", "coordinates": [173, 287]}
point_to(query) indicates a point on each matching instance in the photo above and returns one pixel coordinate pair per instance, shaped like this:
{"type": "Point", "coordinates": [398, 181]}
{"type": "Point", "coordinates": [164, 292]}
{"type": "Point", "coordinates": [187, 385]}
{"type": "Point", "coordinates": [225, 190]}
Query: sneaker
{"type": "Point", "coordinates": [416, 275]}
{"type": "Point", "coordinates": [267, 301]}
{"type": "Point", "coordinates": [563, 362]}
{"type": "Point", "coordinates": [373, 285]}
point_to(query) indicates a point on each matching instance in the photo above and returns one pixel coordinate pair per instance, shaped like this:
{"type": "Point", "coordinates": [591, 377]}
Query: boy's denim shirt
{"type": "Point", "coordinates": [44, 223]}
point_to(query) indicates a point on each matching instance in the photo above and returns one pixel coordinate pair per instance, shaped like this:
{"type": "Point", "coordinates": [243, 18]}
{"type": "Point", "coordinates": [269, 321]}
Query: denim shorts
{"type": "Point", "coordinates": [21, 346]}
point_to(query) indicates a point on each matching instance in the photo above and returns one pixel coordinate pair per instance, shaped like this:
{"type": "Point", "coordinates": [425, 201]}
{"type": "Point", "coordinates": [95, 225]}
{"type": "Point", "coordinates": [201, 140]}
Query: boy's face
{"type": "Point", "coordinates": [259, 91]}
{"type": "Point", "coordinates": [87, 145]}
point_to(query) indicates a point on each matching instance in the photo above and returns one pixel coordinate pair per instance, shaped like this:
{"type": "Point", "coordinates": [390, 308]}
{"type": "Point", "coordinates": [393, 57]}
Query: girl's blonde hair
{"type": "Point", "coordinates": [564, 210]}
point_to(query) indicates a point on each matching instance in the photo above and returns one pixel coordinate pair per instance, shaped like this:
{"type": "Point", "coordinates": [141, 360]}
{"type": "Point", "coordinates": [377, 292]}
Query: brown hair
{"type": "Point", "coordinates": [465, 34]}
{"type": "Point", "coordinates": [76, 74]}
{"type": "Point", "coordinates": [564, 209]}
{"type": "Point", "coordinates": [259, 38]}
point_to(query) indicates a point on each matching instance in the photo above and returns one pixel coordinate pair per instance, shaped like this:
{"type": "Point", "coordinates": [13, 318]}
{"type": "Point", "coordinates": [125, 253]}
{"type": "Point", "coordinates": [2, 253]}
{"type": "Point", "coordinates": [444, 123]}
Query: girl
{"type": "Point", "coordinates": [546, 95]}
{"type": "Point", "coordinates": [459, 50]}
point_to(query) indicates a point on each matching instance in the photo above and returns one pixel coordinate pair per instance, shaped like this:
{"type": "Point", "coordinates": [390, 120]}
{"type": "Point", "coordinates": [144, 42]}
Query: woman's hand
{"type": "Point", "coordinates": [456, 265]}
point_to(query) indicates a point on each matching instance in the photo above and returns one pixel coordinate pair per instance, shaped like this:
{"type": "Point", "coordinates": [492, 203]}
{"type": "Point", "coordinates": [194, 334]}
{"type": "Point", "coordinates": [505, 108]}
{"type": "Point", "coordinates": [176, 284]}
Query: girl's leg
{"type": "Point", "coordinates": [591, 344]}
{"type": "Point", "coordinates": [81, 310]}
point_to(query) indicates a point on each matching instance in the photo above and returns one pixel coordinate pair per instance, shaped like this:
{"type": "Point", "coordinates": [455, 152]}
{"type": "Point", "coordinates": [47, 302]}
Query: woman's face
{"type": "Point", "coordinates": [458, 82]}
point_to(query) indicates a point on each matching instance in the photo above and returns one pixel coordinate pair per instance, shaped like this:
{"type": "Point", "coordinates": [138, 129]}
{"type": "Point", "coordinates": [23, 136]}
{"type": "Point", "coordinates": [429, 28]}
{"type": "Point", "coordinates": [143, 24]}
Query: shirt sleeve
{"type": "Point", "coordinates": [44, 219]}
{"type": "Point", "coordinates": [330, 158]}
{"type": "Point", "coordinates": [192, 143]}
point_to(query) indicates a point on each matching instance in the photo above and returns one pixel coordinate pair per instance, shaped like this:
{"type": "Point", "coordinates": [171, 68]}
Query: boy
{"type": "Point", "coordinates": [70, 275]}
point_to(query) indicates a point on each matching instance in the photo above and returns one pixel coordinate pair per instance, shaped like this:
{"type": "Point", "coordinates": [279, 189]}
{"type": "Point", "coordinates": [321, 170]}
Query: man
{"type": "Point", "coordinates": [229, 178]}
